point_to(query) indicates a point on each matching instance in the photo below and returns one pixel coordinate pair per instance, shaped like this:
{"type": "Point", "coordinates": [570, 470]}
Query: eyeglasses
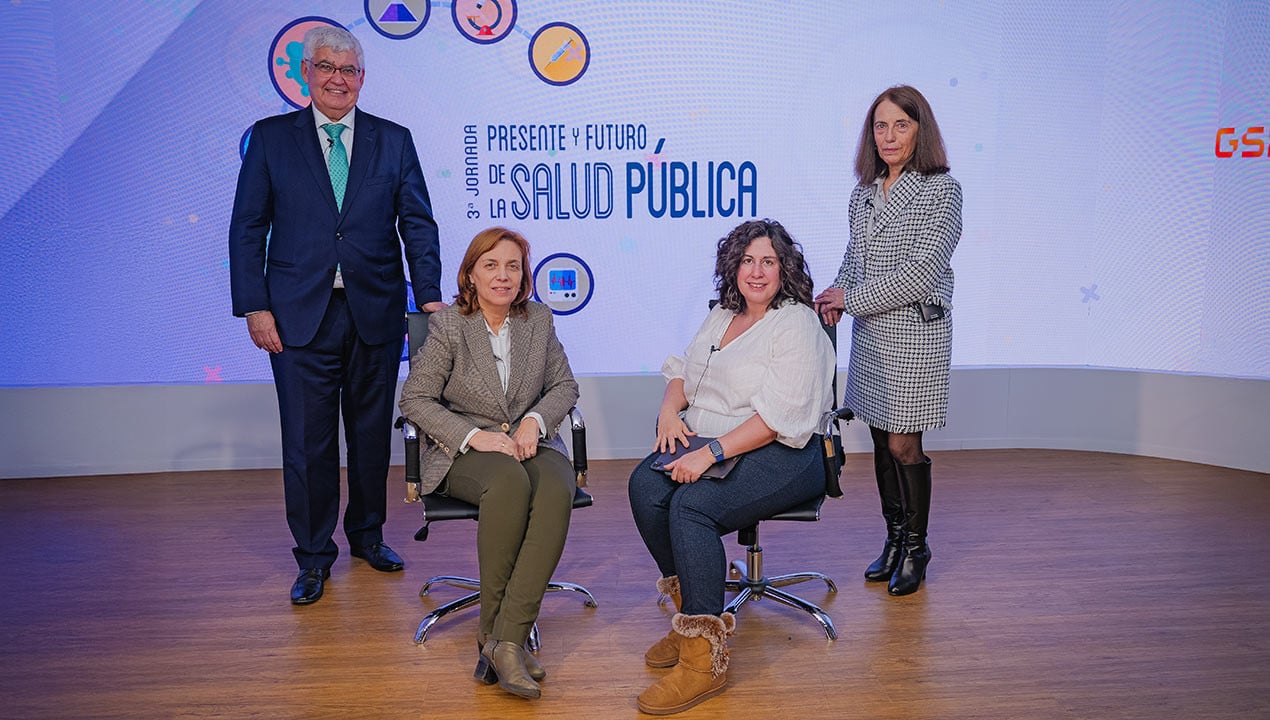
{"type": "Point", "coordinates": [325, 69]}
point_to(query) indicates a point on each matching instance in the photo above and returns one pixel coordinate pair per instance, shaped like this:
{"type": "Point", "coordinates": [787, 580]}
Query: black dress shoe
{"type": "Point", "coordinates": [380, 556]}
{"type": "Point", "coordinates": [308, 586]}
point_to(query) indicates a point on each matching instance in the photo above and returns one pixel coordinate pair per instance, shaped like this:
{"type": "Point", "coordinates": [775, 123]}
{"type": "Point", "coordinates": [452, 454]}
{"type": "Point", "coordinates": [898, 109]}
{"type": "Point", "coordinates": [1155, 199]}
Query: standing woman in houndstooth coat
{"type": "Point", "coordinates": [896, 283]}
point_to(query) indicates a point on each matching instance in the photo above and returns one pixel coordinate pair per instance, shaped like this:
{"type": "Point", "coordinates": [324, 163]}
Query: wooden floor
{"type": "Point", "coordinates": [1064, 585]}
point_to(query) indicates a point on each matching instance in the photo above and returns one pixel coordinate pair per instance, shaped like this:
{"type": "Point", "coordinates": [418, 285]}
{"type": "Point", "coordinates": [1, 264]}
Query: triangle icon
{"type": "Point", "coordinates": [397, 13]}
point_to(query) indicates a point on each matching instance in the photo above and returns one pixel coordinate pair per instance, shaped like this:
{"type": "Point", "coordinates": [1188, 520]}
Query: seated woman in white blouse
{"type": "Point", "coordinates": [757, 377]}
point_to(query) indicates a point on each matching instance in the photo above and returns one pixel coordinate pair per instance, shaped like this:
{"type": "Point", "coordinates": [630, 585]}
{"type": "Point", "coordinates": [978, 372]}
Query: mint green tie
{"type": "Point", "coordinates": [337, 162]}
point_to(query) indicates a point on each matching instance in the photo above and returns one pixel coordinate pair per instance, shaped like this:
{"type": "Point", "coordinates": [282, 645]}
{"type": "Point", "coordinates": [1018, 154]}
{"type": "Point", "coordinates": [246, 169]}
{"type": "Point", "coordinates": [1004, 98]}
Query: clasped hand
{"type": "Point", "coordinates": [830, 305]}
{"type": "Point", "coordinates": [522, 444]}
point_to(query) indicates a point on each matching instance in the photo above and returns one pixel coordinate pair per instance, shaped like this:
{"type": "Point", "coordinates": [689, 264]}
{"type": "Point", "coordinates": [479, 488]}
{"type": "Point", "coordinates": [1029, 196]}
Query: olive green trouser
{"type": "Point", "coordinates": [525, 508]}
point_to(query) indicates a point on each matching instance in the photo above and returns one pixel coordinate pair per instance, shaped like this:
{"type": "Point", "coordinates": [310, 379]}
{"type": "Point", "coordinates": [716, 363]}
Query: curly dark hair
{"type": "Point", "coordinates": [795, 280]}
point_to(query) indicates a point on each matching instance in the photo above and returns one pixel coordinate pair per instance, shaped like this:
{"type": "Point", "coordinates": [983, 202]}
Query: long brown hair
{"type": "Point", "coordinates": [929, 156]}
{"type": "Point", "coordinates": [485, 241]}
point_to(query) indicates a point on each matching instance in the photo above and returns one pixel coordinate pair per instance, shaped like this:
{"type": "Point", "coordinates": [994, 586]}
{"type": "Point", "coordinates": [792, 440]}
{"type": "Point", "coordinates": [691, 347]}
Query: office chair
{"type": "Point", "coordinates": [747, 578]}
{"type": "Point", "coordinates": [439, 508]}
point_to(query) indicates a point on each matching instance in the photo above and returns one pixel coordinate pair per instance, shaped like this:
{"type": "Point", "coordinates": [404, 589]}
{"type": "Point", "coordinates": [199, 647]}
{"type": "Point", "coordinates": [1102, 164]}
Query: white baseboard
{"type": "Point", "coordinates": [171, 428]}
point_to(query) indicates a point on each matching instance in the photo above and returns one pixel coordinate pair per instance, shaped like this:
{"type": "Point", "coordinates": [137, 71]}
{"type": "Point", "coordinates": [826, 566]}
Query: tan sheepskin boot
{"type": "Point", "coordinates": [702, 670]}
{"type": "Point", "coordinates": [665, 652]}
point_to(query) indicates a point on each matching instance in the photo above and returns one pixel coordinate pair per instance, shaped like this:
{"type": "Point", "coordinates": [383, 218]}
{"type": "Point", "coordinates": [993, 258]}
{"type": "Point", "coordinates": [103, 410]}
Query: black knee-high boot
{"type": "Point", "coordinates": [892, 510]}
{"type": "Point", "coordinates": [915, 555]}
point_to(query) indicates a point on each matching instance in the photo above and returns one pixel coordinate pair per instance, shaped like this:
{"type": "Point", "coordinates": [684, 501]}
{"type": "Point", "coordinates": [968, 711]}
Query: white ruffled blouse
{"type": "Point", "coordinates": [781, 368]}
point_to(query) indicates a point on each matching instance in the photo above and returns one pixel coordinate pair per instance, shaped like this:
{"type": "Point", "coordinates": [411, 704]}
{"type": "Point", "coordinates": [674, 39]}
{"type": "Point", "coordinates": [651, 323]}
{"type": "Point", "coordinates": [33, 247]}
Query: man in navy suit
{"type": "Point", "coordinates": [327, 196]}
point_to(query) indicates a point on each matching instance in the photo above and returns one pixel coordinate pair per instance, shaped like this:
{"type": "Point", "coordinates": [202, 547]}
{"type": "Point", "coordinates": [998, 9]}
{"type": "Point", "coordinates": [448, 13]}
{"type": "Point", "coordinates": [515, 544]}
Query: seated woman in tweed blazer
{"type": "Point", "coordinates": [896, 282]}
{"type": "Point", "coordinates": [489, 387]}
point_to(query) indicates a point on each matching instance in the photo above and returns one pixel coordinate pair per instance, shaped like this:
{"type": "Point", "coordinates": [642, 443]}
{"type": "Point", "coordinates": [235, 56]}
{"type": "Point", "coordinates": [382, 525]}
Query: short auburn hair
{"type": "Point", "coordinates": [929, 157]}
{"type": "Point", "coordinates": [485, 241]}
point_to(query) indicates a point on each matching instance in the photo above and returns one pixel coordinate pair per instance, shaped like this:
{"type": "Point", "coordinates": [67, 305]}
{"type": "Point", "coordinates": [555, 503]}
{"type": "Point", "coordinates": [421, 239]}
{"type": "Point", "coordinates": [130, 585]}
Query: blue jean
{"type": "Point", "coordinates": [683, 524]}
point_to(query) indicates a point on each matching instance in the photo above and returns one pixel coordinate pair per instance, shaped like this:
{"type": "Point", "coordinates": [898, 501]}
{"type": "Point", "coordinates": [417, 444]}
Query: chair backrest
{"type": "Point", "coordinates": [416, 330]}
{"type": "Point", "coordinates": [832, 332]}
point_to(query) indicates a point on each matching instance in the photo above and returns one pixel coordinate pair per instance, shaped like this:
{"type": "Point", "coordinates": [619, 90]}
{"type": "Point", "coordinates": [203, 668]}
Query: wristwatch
{"type": "Point", "coordinates": [716, 449]}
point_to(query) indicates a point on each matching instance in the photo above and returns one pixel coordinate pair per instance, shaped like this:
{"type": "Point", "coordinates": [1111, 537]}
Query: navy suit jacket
{"type": "Point", "coordinates": [286, 234]}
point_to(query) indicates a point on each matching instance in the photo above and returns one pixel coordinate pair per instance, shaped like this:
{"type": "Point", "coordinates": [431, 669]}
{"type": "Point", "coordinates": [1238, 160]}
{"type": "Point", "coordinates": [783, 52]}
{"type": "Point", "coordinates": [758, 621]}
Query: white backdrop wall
{"type": "Point", "coordinates": [1114, 156]}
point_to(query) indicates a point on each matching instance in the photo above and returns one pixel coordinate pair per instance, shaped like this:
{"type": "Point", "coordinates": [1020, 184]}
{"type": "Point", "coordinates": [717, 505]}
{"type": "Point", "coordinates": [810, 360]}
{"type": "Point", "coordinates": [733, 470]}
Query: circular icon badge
{"type": "Point", "coordinates": [398, 19]}
{"type": "Point", "coordinates": [286, 54]}
{"type": "Point", "coordinates": [564, 283]}
{"type": "Point", "coordinates": [559, 53]}
{"type": "Point", "coordinates": [484, 21]}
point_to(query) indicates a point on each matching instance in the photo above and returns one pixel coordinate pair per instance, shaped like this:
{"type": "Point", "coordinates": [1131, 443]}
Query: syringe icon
{"type": "Point", "coordinates": [564, 48]}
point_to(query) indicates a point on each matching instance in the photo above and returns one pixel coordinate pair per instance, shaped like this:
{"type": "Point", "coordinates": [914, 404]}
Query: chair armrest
{"type": "Point", "coordinates": [831, 450]}
{"type": "Point", "coordinates": [410, 434]}
{"type": "Point", "coordinates": [578, 425]}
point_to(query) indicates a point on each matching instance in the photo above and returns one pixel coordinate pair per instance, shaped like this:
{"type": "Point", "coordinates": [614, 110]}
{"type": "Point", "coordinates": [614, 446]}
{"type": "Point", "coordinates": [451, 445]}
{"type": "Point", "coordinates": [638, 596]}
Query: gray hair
{"type": "Point", "coordinates": [337, 39]}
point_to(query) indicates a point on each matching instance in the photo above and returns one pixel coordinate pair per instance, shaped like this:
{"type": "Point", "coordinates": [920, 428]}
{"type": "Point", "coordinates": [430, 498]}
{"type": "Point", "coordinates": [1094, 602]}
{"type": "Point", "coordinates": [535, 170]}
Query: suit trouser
{"type": "Point", "coordinates": [335, 372]}
{"type": "Point", "coordinates": [525, 509]}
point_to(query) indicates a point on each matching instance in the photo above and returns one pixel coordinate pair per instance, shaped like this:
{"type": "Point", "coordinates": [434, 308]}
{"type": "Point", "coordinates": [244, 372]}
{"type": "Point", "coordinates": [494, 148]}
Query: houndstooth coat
{"type": "Point", "coordinates": [897, 379]}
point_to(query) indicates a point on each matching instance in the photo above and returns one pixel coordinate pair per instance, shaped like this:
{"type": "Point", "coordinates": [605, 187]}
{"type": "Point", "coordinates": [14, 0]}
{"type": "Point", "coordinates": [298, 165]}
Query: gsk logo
{"type": "Point", "coordinates": [1253, 142]}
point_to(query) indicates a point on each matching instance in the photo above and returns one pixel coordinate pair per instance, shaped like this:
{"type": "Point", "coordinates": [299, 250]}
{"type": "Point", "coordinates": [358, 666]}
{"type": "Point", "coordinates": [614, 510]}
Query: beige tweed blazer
{"type": "Point", "coordinates": [453, 384]}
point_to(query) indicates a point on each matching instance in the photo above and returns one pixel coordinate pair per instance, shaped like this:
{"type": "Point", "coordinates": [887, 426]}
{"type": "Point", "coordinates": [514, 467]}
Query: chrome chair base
{"type": "Point", "coordinates": [472, 598]}
{"type": "Point", "coordinates": [753, 586]}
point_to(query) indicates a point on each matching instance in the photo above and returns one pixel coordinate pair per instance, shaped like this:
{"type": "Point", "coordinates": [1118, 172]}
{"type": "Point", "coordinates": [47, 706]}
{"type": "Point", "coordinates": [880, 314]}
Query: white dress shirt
{"type": "Point", "coordinates": [780, 368]}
